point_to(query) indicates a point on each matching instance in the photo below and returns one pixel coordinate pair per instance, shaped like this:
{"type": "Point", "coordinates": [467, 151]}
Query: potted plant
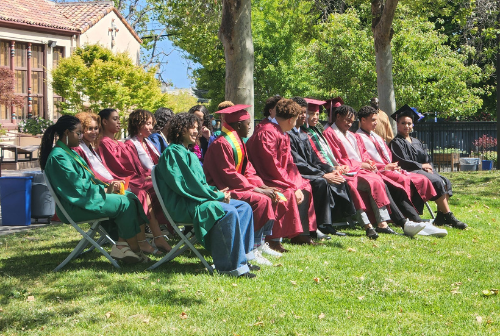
{"type": "Point", "coordinates": [482, 145]}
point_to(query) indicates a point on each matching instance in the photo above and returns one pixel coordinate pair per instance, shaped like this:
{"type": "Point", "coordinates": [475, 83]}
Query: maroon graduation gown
{"type": "Point", "coordinates": [377, 186]}
{"type": "Point", "coordinates": [220, 169]}
{"type": "Point", "coordinates": [269, 151]}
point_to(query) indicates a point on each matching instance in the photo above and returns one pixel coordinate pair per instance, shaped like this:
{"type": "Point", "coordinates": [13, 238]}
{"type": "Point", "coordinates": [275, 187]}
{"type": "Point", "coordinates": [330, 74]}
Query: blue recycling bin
{"type": "Point", "coordinates": [15, 193]}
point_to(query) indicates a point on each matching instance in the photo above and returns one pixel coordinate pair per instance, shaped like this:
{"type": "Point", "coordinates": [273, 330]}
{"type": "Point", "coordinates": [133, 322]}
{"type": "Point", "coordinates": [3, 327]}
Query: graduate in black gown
{"type": "Point", "coordinates": [411, 155]}
{"type": "Point", "coordinates": [331, 194]}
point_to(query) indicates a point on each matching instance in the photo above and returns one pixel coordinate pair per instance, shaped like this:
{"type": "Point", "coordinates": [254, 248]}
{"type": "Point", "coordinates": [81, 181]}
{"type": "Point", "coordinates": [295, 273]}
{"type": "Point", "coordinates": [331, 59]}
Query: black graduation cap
{"type": "Point", "coordinates": [407, 111]}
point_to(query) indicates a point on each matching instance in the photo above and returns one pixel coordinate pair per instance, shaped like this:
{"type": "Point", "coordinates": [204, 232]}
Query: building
{"type": "Point", "coordinates": [36, 34]}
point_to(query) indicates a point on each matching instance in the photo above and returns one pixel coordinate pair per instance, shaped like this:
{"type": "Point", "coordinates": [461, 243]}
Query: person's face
{"type": "Point", "coordinates": [405, 126]}
{"type": "Point", "coordinates": [344, 122]}
{"type": "Point", "coordinates": [199, 114]}
{"type": "Point", "coordinates": [289, 124]}
{"type": "Point", "coordinates": [112, 124]}
{"type": "Point", "coordinates": [301, 119]}
{"type": "Point", "coordinates": [91, 132]}
{"type": "Point", "coordinates": [244, 128]}
{"type": "Point", "coordinates": [73, 136]}
{"type": "Point", "coordinates": [369, 123]}
{"type": "Point", "coordinates": [374, 103]}
{"type": "Point", "coordinates": [313, 118]}
{"type": "Point", "coordinates": [272, 112]}
{"type": "Point", "coordinates": [147, 128]}
{"type": "Point", "coordinates": [190, 135]}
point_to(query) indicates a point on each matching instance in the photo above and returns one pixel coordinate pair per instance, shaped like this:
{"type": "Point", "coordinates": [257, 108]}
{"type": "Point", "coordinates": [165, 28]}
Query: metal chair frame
{"type": "Point", "coordinates": [187, 241]}
{"type": "Point", "coordinates": [88, 237]}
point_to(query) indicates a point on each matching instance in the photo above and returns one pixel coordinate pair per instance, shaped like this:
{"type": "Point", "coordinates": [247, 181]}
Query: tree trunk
{"type": "Point", "coordinates": [236, 35]}
{"type": "Point", "coordinates": [382, 17]}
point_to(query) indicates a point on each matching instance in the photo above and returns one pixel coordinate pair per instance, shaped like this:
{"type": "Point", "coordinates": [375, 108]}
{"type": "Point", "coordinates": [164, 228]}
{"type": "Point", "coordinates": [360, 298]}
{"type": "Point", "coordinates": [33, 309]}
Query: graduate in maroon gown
{"type": "Point", "coordinates": [226, 165]}
{"type": "Point", "coordinates": [269, 151]}
{"type": "Point", "coordinates": [124, 164]}
{"type": "Point", "coordinates": [344, 145]}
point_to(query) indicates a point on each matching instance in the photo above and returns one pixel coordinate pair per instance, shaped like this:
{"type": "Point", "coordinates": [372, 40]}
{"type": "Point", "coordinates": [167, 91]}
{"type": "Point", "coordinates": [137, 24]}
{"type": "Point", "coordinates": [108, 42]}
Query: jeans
{"type": "Point", "coordinates": [231, 239]}
{"type": "Point", "coordinates": [266, 230]}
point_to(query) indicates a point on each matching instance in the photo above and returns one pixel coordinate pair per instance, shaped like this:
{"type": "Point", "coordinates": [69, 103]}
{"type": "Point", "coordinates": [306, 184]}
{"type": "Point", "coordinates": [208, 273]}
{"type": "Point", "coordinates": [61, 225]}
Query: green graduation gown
{"type": "Point", "coordinates": [83, 196]}
{"type": "Point", "coordinates": [185, 191]}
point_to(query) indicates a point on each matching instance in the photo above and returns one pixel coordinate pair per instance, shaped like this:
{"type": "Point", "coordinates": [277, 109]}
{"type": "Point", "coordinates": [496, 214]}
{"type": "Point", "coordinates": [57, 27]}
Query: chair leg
{"type": "Point", "coordinates": [430, 210]}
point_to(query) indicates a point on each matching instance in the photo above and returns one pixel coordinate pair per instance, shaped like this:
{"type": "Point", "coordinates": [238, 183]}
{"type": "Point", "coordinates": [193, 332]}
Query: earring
{"type": "Point", "coordinates": [66, 140]}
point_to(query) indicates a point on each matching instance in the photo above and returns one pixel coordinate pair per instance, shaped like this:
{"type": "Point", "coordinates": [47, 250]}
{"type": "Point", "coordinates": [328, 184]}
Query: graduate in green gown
{"type": "Point", "coordinates": [83, 195]}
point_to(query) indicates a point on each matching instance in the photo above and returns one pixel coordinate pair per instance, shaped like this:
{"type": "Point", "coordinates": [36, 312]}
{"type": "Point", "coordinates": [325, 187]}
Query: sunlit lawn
{"type": "Point", "coordinates": [346, 286]}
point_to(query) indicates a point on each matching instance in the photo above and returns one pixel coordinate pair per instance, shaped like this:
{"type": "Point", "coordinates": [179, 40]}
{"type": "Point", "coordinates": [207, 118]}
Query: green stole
{"type": "Point", "coordinates": [320, 150]}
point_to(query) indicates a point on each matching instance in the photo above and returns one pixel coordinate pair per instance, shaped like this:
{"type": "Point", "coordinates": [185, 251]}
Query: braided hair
{"type": "Point", "coordinates": [66, 122]}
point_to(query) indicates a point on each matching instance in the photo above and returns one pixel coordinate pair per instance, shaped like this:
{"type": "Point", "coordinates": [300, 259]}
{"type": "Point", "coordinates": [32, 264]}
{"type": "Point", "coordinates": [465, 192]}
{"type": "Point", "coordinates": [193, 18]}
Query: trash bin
{"type": "Point", "coordinates": [469, 164]}
{"type": "Point", "coordinates": [42, 203]}
{"type": "Point", "coordinates": [15, 193]}
{"type": "Point", "coordinates": [487, 164]}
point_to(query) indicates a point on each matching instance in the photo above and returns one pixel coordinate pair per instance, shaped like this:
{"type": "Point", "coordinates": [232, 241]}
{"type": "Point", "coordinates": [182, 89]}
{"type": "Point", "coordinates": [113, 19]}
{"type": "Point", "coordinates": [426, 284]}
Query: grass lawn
{"type": "Point", "coordinates": [346, 286]}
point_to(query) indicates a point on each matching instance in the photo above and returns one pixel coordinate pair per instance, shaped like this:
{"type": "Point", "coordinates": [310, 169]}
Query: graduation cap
{"type": "Point", "coordinates": [314, 104]}
{"type": "Point", "coordinates": [235, 113]}
{"type": "Point", "coordinates": [407, 111]}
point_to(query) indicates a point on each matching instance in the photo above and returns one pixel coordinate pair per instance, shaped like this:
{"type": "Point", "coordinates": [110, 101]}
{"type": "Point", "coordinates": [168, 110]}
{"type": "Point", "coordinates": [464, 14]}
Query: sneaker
{"type": "Point", "coordinates": [247, 275]}
{"type": "Point", "coordinates": [265, 249]}
{"type": "Point", "coordinates": [386, 230]}
{"type": "Point", "coordinates": [125, 254]}
{"type": "Point", "coordinates": [431, 230]}
{"type": "Point", "coordinates": [259, 259]}
{"type": "Point", "coordinates": [412, 228]}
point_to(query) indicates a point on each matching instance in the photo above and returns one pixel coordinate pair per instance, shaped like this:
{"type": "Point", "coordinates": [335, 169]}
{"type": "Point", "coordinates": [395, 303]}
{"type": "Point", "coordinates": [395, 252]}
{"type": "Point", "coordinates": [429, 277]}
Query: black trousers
{"type": "Point", "coordinates": [401, 207]}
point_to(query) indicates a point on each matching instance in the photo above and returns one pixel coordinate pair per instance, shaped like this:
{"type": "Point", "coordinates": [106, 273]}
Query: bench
{"type": "Point", "coordinates": [27, 151]}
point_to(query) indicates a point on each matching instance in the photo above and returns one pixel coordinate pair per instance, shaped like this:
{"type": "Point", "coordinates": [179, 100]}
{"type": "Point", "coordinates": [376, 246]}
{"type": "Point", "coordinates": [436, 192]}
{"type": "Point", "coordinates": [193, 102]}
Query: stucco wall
{"type": "Point", "coordinates": [124, 40]}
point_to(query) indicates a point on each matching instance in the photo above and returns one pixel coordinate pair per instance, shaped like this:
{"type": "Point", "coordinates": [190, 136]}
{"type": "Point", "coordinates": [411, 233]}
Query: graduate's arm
{"type": "Point", "coordinates": [398, 155]}
{"type": "Point", "coordinates": [306, 170]}
{"type": "Point", "coordinates": [252, 176]}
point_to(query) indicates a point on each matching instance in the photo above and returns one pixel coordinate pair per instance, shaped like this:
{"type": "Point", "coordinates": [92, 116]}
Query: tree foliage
{"type": "Point", "coordinates": [7, 92]}
{"type": "Point", "coordinates": [96, 77]}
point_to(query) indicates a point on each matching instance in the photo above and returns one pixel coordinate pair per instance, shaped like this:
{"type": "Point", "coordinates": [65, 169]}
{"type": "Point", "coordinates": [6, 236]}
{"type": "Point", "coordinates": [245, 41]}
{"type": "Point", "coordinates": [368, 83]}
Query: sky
{"type": "Point", "coordinates": [177, 68]}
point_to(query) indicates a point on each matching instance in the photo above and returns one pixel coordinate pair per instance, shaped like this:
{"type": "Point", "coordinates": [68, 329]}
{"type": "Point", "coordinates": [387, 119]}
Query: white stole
{"type": "Point", "coordinates": [95, 161]}
{"type": "Point", "coordinates": [144, 156]}
{"type": "Point", "coordinates": [370, 147]}
{"type": "Point", "coordinates": [350, 143]}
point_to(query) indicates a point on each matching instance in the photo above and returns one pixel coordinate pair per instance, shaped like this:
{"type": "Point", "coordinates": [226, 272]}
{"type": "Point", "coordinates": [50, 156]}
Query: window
{"type": "Point", "coordinates": [4, 53]}
{"type": "Point", "coordinates": [21, 77]}
{"type": "Point", "coordinates": [37, 78]}
{"type": "Point", "coordinates": [57, 55]}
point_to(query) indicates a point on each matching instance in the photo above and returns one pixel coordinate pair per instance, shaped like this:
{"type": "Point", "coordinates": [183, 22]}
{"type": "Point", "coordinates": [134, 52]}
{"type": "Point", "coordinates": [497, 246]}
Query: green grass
{"type": "Point", "coordinates": [394, 286]}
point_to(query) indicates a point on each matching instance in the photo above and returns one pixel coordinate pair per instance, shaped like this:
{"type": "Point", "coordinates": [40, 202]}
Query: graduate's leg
{"type": "Point", "coordinates": [225, 243]}
{"type": "Point", "coordinates": [401, 208]}
{"type": "Point", "coordinates": [159, 241]}
{"type": "Point", "coordinates": [442, 203]}
{"type": "Point", "coordinates": [245, 214]}
{"type": "Point", "coordinates": [260, 234]}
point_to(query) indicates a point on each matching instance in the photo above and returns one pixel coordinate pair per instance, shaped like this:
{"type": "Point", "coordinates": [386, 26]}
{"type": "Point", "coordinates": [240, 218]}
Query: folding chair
{"type": "Point", "coordinates": [88, 237]}
{"type": "Point", "coordinates": [430, 210]}
{"type": "Point", "coordinates": [187, 241]}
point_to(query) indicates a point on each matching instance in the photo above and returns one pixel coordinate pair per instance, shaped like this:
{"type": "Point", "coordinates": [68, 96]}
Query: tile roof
{"type": "Point", "coordinates": [72, 16]}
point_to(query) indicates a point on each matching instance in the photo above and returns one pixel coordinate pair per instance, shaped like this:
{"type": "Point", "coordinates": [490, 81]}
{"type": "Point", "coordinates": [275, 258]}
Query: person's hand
{"type": "Point", "coordinates": [113, 187]}
{"type": "Point", "coordinates": [393, 166]}
{"type": "Point", "coordinates": [368, 165]}
{"type": "Point", "coordinates": [342, 169]}
{"type": "Point", "coordinates": [227, 197]}
{"type": "Point", "coordinates": [205, 132]}
{"type": "Point", "coordinates": [299, 196]}
{"type": "Point", "coordinates": [427, 167]}
{"type": "Point", "coordinates": [334, 178]}
{"type": "Point", "coordinates": [268, 192]}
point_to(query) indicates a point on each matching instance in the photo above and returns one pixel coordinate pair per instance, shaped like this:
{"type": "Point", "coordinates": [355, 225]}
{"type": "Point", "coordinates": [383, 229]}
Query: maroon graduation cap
{"type": "Point", "coordinates": [235, 113]}
{"type": "Point", "coordinates": [314, 104]}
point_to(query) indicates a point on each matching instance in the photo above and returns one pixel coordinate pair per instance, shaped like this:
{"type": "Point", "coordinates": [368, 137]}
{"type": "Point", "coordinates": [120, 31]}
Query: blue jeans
{"type": "Point", "coordinates": [231, 239]}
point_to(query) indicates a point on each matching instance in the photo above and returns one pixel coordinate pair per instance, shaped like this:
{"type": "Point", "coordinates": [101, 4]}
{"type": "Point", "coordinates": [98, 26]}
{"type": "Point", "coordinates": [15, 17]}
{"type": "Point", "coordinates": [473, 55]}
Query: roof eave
{"type": "Point", "coordinates": [37, 28]}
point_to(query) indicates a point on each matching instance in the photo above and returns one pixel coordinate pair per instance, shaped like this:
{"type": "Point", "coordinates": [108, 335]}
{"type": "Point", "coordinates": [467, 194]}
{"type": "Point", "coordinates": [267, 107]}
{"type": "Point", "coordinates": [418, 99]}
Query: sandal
{"type": "Point", "coordinates": [156, 251]}
{"type": "Point", "coordinates": [160, 248]}
{"type": "Point", "coordinates": [125, 254]}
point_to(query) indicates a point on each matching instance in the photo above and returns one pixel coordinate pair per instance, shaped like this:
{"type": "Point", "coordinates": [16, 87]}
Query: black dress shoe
{"type": "Point", "coordinates": [371, 233]}
{"type": "Point", "coordinates": [439, 220]}
{"type": "Point", "coordinates": [328, 229]}
{"type": "Point", "coordinates": [319, 235]}
{"type": "Point", "coordinates": [253, 267]}
{"type": "Point", "coordinates": [454, 222]}
{"type": "Point", "coordinates": [302, 240]}
{"type": "Point", "coordinates": [386, 230]}
{"type": "Point", "coordinates": [247, 275]}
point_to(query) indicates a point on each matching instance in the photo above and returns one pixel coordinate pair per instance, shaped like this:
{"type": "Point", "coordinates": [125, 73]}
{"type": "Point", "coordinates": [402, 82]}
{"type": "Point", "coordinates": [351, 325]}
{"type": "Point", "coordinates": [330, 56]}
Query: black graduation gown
{"type": "Point", "coordinates": [332, 202]}
{"type": "Point", "coordinates": [412, 156]}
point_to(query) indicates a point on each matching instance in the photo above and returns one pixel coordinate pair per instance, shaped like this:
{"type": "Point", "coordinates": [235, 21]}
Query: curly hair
{"type": "Point", "coordinates": [270, 104]}
{"type": "Point", "coordinates": [287, 108]}
{"type": "Point", "coordinates": [162, 116]}
{"type": "Point", "coordinates": [225, 104]}
{"type": "Point", "coordinates": [345, 110]}
{"type": "Point", "coordinates": [86, 118]}
{"type": "Point", "coordinates": [366, 111]}
{"type": "Point", "coordinates": [137, 119]}
{"type": "Point", "coordinates": [299, 100]}
{"type": "Point", "coordinates": [179, 125]}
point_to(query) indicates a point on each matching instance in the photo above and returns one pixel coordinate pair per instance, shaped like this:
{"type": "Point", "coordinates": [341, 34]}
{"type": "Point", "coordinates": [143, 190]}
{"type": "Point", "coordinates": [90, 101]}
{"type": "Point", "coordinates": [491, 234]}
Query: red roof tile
{"type": "Point", "coordinates": [72, 16]}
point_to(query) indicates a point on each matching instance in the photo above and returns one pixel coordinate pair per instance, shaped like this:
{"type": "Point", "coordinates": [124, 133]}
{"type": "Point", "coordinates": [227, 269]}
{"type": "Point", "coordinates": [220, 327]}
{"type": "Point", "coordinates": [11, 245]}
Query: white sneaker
{"type": "Point", "coordinates": [259, 259]}
{"type": "Point", "coordinates": [265, 249]}
{"type": "Point", "coordinates": [431, 230]}
{"type": "Point", "coordinates": [412, 228]}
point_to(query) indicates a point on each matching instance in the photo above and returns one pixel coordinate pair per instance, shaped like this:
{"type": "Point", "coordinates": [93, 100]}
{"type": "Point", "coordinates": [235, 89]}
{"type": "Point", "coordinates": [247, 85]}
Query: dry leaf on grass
{"type": "Point", "coordinates": [321, 316]}
{"type": "Point", "coordinates": [260, 323]}
{"type": "Point", "coordinates": [146, 320]}
{"type": "Point", "coordinates": [479, 319]}
{"type": "Point", "coordinates": [316, 280]}
{"type": "Point", "coordinates": [361, 297]}
{"type": "Point", "coordinates": [490, 292]}
{"type": "Point", "coordinates": [278, 265]}
{"type": "Point", "coordinates": [184, 316]}
{"type": "Point", "coordinates": [108, 314]}
{"type": "Point", "coordinates": [293, 282]}
{"type": "Point", "coordinates": [235, 285]}
{"type": "Point", "coordinates": [350, 249]}
{"type": "Point", "coordinates": [30, 298]}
